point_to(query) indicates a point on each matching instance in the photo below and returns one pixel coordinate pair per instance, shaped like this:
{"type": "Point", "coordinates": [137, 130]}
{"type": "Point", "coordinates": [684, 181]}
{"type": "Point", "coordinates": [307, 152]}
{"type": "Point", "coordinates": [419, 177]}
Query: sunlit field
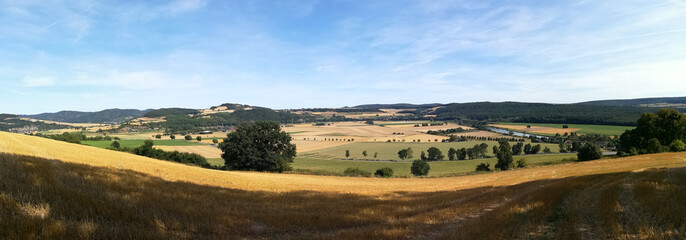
{"type": "Point", "coordinates": [51, 189]}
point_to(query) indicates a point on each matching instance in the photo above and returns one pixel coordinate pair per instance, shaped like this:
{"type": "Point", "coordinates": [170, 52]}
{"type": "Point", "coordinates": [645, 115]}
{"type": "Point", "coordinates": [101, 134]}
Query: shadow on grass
{"type": "Point", "coordinates": [41, 198]}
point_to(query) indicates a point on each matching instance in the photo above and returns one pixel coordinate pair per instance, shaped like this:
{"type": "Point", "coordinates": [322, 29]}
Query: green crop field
{"type": "Point", "coordinates": [584, 128]}
{"type": "Point", "coordinates": [216, 161]}
{"type": "Point", "coordinates": [136, 143]}
{"type": "Point", "coordinates": [402, 169]}
{"type": "Point", "coordinates": [389, 151]}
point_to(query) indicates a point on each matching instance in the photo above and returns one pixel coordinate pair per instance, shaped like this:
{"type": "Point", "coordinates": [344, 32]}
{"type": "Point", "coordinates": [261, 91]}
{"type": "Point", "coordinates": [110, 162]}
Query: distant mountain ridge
{"type": "Point", "coordinates": [105, 116]}
{"type": "Point", "coordinates": [676, 102]}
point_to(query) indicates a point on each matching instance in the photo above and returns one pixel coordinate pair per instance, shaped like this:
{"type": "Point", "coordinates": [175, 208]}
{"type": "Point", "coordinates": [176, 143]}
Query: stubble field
{"type": "Point", "coordinates": [51, 189]}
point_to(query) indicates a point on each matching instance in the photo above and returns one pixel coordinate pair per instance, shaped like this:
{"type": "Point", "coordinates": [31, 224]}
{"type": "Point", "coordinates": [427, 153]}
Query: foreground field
{"type": "Point", "coordinates": [51, 189]}
{"type": "Point", "coordinates": [552, 128]}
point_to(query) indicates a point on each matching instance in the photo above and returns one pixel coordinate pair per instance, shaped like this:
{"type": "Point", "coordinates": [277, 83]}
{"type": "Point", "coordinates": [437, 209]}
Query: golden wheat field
{"type": "Point", "coordinates": [57, 190]}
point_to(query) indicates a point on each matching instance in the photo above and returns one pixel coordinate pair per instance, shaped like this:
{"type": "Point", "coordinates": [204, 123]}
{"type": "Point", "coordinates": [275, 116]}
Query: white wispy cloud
{"type": "Point", "coordinates": [38, 81]}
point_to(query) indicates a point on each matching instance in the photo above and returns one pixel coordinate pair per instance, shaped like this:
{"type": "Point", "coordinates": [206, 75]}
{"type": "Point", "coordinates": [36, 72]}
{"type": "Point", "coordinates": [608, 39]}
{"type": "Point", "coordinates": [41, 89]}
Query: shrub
{"type": "Point", "coordinates": [199, 138]}
{"type": "Point", "coordinates": [356, 172]}
{"type": "Point", "coordinates": [188, 137]}
{"type": "Point", "coordinates": [588, 152]}
{"type": "Point", "coordinates": [547, 150]}
{"type": "Point", "coordinates": [521, 163]}
{"type": "Point", "coordinates": [385, 172]}
{"type": "Point", "coordinates": [420, 168]}
{"type": "Point", "coordinates": [215, 141]}
{"type": "Point", "coordinates": [677, 146]}
{"type": "Point", "coordinates": [115, 145]}
{"type": "Point", "coordinates": [483, 167]}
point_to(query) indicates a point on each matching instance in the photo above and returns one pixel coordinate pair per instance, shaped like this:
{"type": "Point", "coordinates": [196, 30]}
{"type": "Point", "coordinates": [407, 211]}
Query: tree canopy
{"type": "Point", "coordinates": [654, 132]}
{"type": "Point", "coordinates": [259, 146]}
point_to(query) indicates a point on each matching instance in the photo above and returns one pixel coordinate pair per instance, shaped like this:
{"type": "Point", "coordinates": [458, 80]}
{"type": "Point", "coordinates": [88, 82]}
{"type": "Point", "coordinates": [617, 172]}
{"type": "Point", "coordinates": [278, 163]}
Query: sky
{"type": "Point", "coordinates": [90, 55]}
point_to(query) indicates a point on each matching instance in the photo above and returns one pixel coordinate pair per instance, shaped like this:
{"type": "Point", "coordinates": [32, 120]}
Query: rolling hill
{"type": "Point", "coordinates": [104, 116]}
{"type": "Point", "coordinates": [51, 189]}
{"type": "Point", "coordinates": [677, 102]}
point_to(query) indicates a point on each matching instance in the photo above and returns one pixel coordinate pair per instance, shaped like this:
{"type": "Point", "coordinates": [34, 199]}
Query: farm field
{"type": "Point", "coordinates": [552, 128]}
{"type": "Point", "coordinates": [402, 169]}
{"type": "Point", "coordinates": [136, 143]}
{"type": "Point", "coordinates": [51, 189]}
{"type": "Point", "coordinates": [389, 151]}
{"type": "Point", "coordinates": [203, 150]}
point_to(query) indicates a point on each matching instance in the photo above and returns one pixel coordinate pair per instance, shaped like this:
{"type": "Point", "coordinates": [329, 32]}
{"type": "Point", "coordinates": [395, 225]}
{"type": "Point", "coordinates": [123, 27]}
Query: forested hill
{"type": "Point", "coordinates": [641, 102]}
{"type": "Point", "coordinates": [13, 123]}
{"type": "Point", "coordinates": [171, 112]}
{"type": "Point", "coordinates": [398, 106]}
{"type": "Point", "coordinates": [543, 113]}
{"type": "Point", "coordinates": [104, 116]}
{"type": "Point", "coordinates": [186, 123]}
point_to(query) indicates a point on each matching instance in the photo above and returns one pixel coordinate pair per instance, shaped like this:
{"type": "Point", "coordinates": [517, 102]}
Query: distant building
{"type": "Point", "coordinates": [206, 132]}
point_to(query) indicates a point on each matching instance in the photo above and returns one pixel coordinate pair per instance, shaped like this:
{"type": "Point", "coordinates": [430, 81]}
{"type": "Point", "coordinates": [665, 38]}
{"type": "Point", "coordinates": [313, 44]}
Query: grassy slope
{"type": "Point", "coordinates": [136, 143]}
{"type": "Point", "coordinates": [389, 151]}
{"type": "Point", "coordinates": [94, 193]}
{"type": "Point", "coordinates": [584, 128]}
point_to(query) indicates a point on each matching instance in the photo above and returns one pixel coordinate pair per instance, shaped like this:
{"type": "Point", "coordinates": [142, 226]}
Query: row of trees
{"type": "Point", "coordinates": [76, 137]}
{"type": "Point", "coordinates": [147, 150]}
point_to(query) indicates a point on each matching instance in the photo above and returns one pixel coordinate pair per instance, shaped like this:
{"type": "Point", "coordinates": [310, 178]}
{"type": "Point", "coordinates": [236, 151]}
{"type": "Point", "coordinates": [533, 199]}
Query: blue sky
{"type": "Point", "coordinates": [91, 55]}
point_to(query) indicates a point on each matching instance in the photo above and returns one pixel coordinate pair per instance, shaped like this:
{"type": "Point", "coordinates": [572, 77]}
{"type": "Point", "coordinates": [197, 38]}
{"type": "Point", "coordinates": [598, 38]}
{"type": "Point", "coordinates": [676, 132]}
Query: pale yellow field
{"type": "Point", "coordinates": [205, 151]}
{"type": "Point", "coordinates": [67, 152]}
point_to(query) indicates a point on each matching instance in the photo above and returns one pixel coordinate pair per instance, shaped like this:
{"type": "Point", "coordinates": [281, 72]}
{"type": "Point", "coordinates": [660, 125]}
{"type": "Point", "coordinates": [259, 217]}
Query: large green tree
{"type": "Point", "coordinates": [654, 131]}
{"type": "Point", "coordinates": [259, 146]}
{"type": "Point", "coordinates": [504, 155]}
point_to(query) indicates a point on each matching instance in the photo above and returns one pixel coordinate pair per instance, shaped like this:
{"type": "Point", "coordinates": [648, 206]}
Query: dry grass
{"type": "Point", "coordinates": [205, 151]}
{"type": "Point", "coordinates": [93, 193]}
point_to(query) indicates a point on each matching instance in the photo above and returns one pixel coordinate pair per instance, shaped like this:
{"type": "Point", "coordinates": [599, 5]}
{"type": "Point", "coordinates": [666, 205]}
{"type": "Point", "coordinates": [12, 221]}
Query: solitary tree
{"type": "Point", "coordinates": [188, 137]}
{"type": "Point", "coordinates": [364, 153]}
{"type": "Point", "coordinates": [420, 168]}
{"type": "Point", "coordinates": [199, 138]}
{"type": "Point", "coordinates": [172, 137]}
{"type": "Point", "coordinates": [375, 154]}
{"type": "Point", "coordinates": [347, 153]}
{"type": "Point", "coordinates": [115, 145]}
{"type": "Point", "coordinates": [422, 156]}
{"type": "Point", "coordinates": [158, 136]}
{"type": "Point", "coordinates": [504, 155]}
{"type": "Point", "coordinates": [589, 151]}
{"type": "Point", "coordinates": [259, 146]}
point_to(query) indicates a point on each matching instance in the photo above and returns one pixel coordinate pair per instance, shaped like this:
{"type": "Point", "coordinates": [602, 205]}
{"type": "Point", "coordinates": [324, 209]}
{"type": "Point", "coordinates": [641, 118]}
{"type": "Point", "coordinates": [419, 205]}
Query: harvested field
{"type": "Point", "coordinates": [203, 150]}
{"type": "Point", "coordinates": [51, 189]}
